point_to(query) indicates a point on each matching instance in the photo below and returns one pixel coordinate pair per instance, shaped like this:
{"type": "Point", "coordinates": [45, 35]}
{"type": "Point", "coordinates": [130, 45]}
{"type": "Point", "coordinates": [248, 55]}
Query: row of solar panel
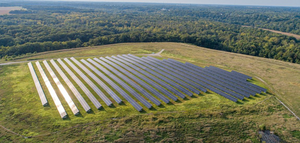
{"type": "Point", "coordinates": [94, 87]}
{"type": "Point", "coordinates": [187, 76]}
{"type": "Point", "coordinates": [205, 77]}
{"type": "Point", "coordinates": [168, 77]}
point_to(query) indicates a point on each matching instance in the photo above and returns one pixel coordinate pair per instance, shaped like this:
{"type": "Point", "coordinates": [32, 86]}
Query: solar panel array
{"type": "Point", "coordinates": [142, 82]}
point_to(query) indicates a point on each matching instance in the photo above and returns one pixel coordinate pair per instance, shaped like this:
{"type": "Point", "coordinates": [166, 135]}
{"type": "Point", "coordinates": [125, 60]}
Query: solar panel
{"type": "Point", "coordinates": [242, 75]}
{"type": "Point", "coordinates": [60, 108]}
{"type": "Point", "coordinates": [38, 85]}
{"type": "Point", "coordinates": [188, 73]}
{"type": "Point", "coordinates": [254, 87]}
{"type": "Point", "coordinates": [235, 75]}
{"type": "Point", "coordinates": [89, 82]}
{"type": "Point", "coordinates": [225, 73]}
{"type": "Point", "coordinates": [142, 83]}
{"type": "Point", "coordinates": [206, 76]}
{"type": "Point", "coordinates": [216, 80]}
{"type": "Point", "coordinates": [163, 76]}
{"type": "Point", "coordinates": [171, 75]}
{"type": "Point", "coordinates": [207, 86]}
{"type": "Point", "coordinates": [207, 72]}
{"type": "Point", "coordinates": [160, 88]}
{"type": "Point", "coordinates": [81, 85]}
{"type": "Point", "coordinates": [175, 91]}
{"type": "Point", "coordinates": [62, 89]}
{"type": "Point", "coordinates": [124, 85]}
{"type": "Point", "coordinates": [120, 90]}
{"type": "Point", "coordinates": [99, 82]}
{"type": "Point", "coordinates": [83, 103]}
{"type": "Point", "coordinates": [133, 84]}
{"type": "Point", "coordinates": [227, 80]}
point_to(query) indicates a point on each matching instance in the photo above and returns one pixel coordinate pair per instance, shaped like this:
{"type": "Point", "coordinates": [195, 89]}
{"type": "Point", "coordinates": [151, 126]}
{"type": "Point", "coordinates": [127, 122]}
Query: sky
{"type": "Point", "coordinates": [294, 3]}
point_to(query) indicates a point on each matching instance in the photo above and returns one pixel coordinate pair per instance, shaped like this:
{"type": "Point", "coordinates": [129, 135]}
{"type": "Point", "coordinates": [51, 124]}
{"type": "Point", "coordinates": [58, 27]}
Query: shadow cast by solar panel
{"type": "Point", "coordinates": [201, 94]}
{"type": "Point", "coordinates": [143, 111]}
{"type": "Point", "coordinates": [178, 101]}
{"type": "Point", "coordinates": [122, 104]}
{"type": "Point", "coordinates": [170, 103]}
{"type": "Point", "coordinates": [102, 109]}
{"type": "Point", "coordinates": [67, 118]}
{"type": "Point", "coordinates": [245, 100]}
{"type": "Point", "coordinates": [209, 92]}
{"type": "Point", "coordinates": [239, 102]}
{"type": "Point", "coordinates": [153, 109]}
{"type": "Point", "coordinates": [48, 105]}
{"type": "Point", "coordinates": [162, 106]}
{"type": "Point", "coordinates": [193, 96]}
{"type": "Point", "coordinates": [265, 94]}
{"type": "Point", "coordinates": [186, 99]}
{"type": "Point", "coordinates": [257, 96]}
{"type": "Point", "coordinates": [79, 115]}
{"type": "Point", "coordinates": [91, 112]}
{"type": "Point", "coordinates": [112, 106]}
{"type": "Point", "coordinates": [251, 97]}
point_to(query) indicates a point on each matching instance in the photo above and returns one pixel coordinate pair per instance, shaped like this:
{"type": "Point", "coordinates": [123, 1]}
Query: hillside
{"type": "Point", "coordinates": [202, 118]}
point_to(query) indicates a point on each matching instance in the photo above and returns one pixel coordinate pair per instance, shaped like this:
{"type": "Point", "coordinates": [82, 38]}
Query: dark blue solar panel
{"type": "Point", "coordinates": [169, 71]}
{"type": "Point", "coordinates": [242, 75]}
{"type": "Point", "coordinates": [212, 88]}
{"type": "Point", "coordinates": [211, 78]}
{"type": "Point", "coordinates": [153, 78]}
{"type": "Point", "coordinates": [142, 83]}
{"type": "Point", "coordinates": [136, 62]}
{"type": "Point", "coordinates": [171, 75]}
{"type": "Point", "coordinates": [144, 92]}
{"type": "Point", "coordinates": [159, 87]}
{"type": "Point", "coordinates": [90, 83]}
{"type": "Point", "coordinates": [226, 80]}
{"type": "Point", "coordinates": [204, 80]}
{"type": "Point", "coordinates": [120, 90]}
{"type": "Point", "coordinates": [103, 85]}
{"type": "Point", "coordinates": [253, 86]}
{"type": "Point", "coordinates": [128, 88]}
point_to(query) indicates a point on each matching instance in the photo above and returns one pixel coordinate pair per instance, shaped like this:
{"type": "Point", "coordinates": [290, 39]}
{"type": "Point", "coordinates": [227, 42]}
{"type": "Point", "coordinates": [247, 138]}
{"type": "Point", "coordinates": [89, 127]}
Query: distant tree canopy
{"type": "Point", "coordinates": [47, 26]}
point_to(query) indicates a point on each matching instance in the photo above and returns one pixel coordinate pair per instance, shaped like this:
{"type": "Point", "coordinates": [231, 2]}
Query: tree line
{"type": "Point", "coordinates": [46, 28]}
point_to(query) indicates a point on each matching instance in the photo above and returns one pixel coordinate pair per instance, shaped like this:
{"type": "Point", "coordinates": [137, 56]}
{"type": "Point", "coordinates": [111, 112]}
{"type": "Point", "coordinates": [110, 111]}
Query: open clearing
{"type": "Point", "coordinates": [279, 32]}
{"type": "Point", "coordinates": [205, 117]}
{"type": "Point", "coordinates": [6, 10]}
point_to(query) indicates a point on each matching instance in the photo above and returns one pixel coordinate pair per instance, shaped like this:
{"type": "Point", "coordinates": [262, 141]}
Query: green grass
{"type": "Point", "coordinates": [196, 117]}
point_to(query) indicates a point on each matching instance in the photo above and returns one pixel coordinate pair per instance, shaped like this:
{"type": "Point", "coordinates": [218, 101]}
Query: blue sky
{"type": "Point", "coordinates": [226, 2]}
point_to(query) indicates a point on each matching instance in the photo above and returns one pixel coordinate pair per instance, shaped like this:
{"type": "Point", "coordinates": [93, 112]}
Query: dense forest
{"type": "Point", "coordinates": [46, 26]}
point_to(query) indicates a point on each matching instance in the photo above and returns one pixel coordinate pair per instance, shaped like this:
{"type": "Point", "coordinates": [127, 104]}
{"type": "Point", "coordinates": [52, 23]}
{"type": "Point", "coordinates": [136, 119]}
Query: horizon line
{"type": "Point", "coordinates": [183, 3]}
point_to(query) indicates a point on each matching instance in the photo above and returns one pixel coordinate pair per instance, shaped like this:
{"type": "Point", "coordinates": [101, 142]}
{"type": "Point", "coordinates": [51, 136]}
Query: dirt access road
{"type": "Point", "coordinates": [6, 10]}
{"type": "Point", "coordinates": [279, 32]}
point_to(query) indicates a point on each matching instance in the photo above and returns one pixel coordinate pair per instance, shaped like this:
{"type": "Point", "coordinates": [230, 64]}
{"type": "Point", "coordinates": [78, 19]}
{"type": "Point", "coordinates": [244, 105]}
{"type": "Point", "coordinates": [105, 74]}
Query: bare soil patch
{"type": "Point", "coordinates": [279, 32]}
{"type": "Point", "coordinates": [6, 10]}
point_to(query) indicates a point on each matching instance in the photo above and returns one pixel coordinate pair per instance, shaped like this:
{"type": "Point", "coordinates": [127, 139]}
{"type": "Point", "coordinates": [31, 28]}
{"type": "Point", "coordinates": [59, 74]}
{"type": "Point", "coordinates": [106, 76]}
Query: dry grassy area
{"type": "Point", "coordinates": [204, 118]}
{"type": "Point", "coordinates": [6, 10]}
{"type": "Point", "coordinates": [283, 77]}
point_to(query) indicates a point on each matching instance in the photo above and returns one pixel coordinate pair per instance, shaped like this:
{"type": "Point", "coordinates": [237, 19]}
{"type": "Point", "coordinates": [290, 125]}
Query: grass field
{"type": "Point", "coordinates": [6, 10]}
{"type": "Point", "coordinates": [206, 117]}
